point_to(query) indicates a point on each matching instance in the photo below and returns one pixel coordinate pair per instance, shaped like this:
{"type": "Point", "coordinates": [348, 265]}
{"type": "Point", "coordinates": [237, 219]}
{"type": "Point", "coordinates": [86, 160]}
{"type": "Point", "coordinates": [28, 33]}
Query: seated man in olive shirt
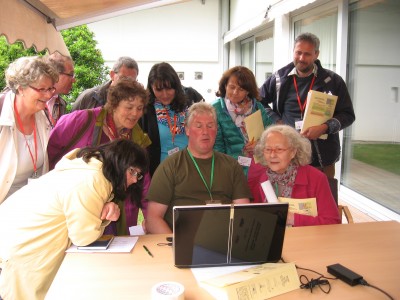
{"type": "Point", "coordinates": [195, 175]}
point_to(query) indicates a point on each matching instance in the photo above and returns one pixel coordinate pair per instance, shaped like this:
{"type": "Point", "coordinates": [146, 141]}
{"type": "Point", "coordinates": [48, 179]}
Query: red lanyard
{"type": "Point", "coordinates": [171, 129]}
{"type": "Point", "coordinates": [34, 159]}
{"type": "Point", "coordinates": [302, 107]}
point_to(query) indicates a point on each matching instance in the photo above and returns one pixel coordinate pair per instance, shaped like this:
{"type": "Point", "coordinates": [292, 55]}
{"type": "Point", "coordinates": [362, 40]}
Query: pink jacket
{"type": "Point", "coordinates": [309, 183]}
{"type": "Point", "coordinates": [67, 127]}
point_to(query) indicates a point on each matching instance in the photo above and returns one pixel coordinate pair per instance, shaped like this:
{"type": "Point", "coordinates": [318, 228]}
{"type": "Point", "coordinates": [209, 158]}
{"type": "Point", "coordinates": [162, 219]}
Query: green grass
{"type": "Point", "coordinates": [383, 156]}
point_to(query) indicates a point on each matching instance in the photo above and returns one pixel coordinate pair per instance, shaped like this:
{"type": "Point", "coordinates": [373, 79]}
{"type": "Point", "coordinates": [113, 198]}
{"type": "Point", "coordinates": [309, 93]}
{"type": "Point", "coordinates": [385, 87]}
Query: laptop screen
{"type": "Point", "coordinates": [218, 235]}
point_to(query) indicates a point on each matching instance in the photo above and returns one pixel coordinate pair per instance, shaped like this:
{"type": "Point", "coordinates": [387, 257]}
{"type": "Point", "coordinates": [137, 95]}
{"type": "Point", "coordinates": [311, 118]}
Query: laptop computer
{"type": "Point", "coordinates": [224, 235]}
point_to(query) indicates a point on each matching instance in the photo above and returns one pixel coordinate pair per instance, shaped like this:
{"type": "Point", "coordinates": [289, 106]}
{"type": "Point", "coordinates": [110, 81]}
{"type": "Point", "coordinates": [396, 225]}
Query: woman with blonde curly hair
{"type": "Point", "coordinates": [24, 128]}
{"type": "Point", "coordinates": [286, 155]}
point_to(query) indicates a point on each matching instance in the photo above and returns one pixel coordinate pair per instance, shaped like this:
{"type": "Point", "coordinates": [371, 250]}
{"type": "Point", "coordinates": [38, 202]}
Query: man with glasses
{"type": "Point", "coordinates": [56, 106]}
{"type": "Point", "coordinates": [287, 91]}
{"type": "Point", "coordinates": [124, 67]}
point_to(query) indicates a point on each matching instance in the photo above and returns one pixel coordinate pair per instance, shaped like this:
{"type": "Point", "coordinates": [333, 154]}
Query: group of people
{"type": "Point", "coordinates": [125, 147]}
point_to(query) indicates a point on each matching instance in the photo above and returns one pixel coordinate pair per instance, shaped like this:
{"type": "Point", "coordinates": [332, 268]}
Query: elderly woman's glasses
{"type": "Point", "coordinates": [276, 150]}
{"type": "Point", "coordinates": [134, 173]}
{"type": "Point", "coordinates": [43, 91]}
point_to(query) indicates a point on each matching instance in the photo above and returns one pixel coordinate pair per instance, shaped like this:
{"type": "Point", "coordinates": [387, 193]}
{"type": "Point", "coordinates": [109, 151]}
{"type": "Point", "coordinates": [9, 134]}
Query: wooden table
{"type": "Point", "coordinates": [369, 249]}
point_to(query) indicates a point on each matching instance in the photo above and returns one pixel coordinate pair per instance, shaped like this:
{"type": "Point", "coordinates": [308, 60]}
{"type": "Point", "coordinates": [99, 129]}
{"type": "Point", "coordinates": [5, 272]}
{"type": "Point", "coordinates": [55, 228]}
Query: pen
{"type": "Point", "coordinates": [148, 251]}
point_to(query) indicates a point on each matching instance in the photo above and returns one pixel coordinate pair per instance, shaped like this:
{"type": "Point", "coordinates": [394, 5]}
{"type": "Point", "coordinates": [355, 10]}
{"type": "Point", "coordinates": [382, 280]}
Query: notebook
{"type": "Point", "coordinates": [224, 235]}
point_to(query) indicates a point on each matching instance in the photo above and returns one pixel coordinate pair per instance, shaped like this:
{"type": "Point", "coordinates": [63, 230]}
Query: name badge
{"type": "Point", "coordinates": [244, 161]}
{"type": "Point", "coordinates": [31, 179]}
{"type": "Point", "coordinates": [212, 201]}
{"type": "Point", "coordinates": [34, 176]}
{"type": "Point", "coordinates": [173, 150]}
{"type": "Point", "coordinates": [298, 125]}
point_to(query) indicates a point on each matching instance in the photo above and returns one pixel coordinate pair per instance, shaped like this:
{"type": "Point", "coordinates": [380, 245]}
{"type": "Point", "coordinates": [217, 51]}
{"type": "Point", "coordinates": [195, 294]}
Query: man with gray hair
{"type": "Point", "coordinates": [124, 67]}
{"type": "Point", "coordinates": [195, 175]}
{"type": "Point", "coordinates": [287, 91]}
{"type": "Point", "coordinates": [56, 106]}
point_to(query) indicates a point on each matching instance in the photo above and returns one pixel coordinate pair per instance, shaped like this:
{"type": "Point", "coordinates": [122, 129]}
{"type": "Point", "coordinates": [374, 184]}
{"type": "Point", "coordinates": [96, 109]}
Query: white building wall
{"type": "Point", "coordinates": [192, 43]}
{"type": "Point", "coordinates": [185, 35]}
{"type": "Point", "coordinates": [379, 107]}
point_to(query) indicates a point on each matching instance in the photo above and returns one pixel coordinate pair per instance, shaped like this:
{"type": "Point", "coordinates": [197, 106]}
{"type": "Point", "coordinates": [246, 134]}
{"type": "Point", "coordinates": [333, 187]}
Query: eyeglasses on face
{"type": "Point", "coordinates": [43, 90]}
{"type": "Point", "coordinates": [72, 75]}
{"type": "Point", "coordinates": [134, 173]}
{"type": "Point", "coordinates": [276, 150]}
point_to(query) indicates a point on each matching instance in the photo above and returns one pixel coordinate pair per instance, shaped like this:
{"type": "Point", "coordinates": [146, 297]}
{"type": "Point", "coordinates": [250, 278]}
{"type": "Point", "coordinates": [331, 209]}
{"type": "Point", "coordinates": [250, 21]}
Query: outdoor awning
{"type": "Point", "coordinates": [37, 22]}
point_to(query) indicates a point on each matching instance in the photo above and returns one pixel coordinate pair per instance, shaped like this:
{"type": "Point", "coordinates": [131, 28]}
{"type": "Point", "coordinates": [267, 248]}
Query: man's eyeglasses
{"type": "Point", "coordinates": [42, 90]}
{"type": "Point", "coordinates": [276, 150]}
{"type": "Point", "coordinates": [72, 75]}
{"type": "Point", "coordinates": [134, 173]}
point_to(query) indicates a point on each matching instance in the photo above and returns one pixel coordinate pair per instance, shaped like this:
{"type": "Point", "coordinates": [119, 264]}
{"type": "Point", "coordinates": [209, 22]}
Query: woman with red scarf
{"type": "Point", "coordinates": [117, 119]}
{"type": "Point", "coordinates": [286, 156]}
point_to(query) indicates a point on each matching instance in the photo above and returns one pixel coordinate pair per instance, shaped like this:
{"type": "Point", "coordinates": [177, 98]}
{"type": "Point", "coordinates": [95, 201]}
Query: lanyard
{"type": "Point", "coordinates": [302, 107]}
{"type": "Point", "coordinates": [171, 129]}
{"type": "Point", "coordinates": [201, 175]}
{"type": "Point", "coordinates": [34, 159]}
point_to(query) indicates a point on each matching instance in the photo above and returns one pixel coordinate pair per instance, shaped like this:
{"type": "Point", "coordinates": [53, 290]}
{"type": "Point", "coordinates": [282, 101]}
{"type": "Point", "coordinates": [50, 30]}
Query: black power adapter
{"type": "Point", "coordinates": [344, 274]}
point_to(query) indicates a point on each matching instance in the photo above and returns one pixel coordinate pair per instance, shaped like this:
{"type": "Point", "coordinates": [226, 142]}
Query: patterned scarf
{"type": "Point", "coordinates": [286, 179]}
{"type": "Point", "coordinates": [163, 112]}
{"type": "Point", "coordinates": [239, 112]}
{"type": "Point", "coordinates": [111, 131]}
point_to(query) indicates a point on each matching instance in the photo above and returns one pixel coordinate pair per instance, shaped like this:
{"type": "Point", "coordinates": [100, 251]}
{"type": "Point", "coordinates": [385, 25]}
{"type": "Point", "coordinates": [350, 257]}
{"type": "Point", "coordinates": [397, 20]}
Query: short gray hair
{"type": "Point", "coordinates": [27, 70]}
{"type": "Point", "coordinates": [200, 108]}
{"type": "Point", "coordinates": [126, 61]}
{"type": "Point", "coordinates": [301, 144]}
{"type": "Point", "coordinates": [308, 37]}
{"type": "Point", "coordinates": [58, 61]}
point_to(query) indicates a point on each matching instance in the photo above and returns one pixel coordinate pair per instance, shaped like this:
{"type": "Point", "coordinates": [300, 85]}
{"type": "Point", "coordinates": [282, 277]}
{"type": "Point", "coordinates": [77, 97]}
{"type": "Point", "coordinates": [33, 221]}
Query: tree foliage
{"type": "Point", "coordinates": [89, 63]}
{"type": "Point", "coordinates": [9, 53]}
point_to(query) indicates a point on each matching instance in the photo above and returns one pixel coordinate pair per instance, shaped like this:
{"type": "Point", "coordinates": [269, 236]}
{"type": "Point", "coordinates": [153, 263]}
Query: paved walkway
{"type": "Point", "coordinates": [376, 184]}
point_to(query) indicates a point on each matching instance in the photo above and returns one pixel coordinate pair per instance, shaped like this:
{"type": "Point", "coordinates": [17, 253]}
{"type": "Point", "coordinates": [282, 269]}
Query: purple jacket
{"type": "Point", "coordinates": [309, 183]}
{"type": "Point", "coordinates": [69, 125]}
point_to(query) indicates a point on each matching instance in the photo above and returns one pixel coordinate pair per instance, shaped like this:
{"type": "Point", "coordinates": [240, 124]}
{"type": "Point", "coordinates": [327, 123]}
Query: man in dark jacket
{"type": "Point", "coordinates": [57, 106]}
{"type": "Point", "coordinates": [287, 90]}
{"type": "Point", "coordinates": [97, 96]}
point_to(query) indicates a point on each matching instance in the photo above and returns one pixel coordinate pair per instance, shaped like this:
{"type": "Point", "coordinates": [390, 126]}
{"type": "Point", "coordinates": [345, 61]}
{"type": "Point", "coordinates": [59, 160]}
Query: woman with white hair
{"type": "Point", "coordinates": [286, 155]}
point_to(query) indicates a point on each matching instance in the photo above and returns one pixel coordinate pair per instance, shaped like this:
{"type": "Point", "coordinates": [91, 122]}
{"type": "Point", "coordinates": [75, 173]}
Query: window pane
{"type": "Point", "coordinates": [371, 160]}
{"type": "Point", "coordinates": [264, 56]}
{"type": "Point", "coordinates": [324, 26]}
{"type": "Point", "coordinates": [247, 52]}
